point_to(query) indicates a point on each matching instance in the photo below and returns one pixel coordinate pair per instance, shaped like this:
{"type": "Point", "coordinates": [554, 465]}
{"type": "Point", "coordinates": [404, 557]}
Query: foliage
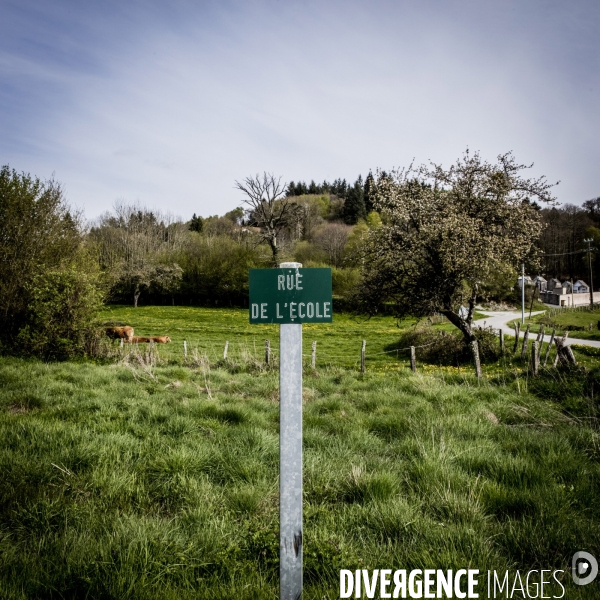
{"type": "Point", "coordinates": [446, 232]}
{"type": "Point", "coordinates": [196, 223]}
{"type": "Point", "coordinates": [215, 271]}
{"type": "Point", "coordinates": [134, 245]}
{"type": "Point", "coordinates": [441, 347]}
{"type": "Point", "coordinates": [49, 286]}
{"type": "Point", "coordinates": [61, 312]}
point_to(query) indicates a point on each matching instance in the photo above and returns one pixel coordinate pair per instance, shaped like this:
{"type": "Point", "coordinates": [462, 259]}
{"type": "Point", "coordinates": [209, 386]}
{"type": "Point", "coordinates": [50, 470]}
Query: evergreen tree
{"type": "Point", "coordinates": [312, 188]}
{"type": "Point", "coordinates": [291, 189]}
{"type": "Point", "coordinates": [354, 206]}
{"type": "Point", "coordinates": [368, 192]}
{"type": "Point", "coordinates": [196, 224]}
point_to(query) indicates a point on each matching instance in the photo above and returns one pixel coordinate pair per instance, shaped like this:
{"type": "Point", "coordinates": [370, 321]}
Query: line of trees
{"type": "Point", "coordinates": [426, 240]}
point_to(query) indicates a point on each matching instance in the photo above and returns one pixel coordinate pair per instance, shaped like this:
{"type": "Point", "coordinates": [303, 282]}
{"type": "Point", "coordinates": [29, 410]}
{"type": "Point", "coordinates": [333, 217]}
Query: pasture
{"type": "Point", "coordinates": [581, 323]}
{"type": "Point", "coordinates": [158, 480]}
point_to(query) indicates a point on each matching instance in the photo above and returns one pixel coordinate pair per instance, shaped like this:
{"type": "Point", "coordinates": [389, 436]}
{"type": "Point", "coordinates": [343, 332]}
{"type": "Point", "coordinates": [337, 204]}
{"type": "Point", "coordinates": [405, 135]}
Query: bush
{"type": "Point", "coordinates": [446, 348]}
{"type": "Point", "coordinates": [60, 315]}
{"type": "Point", "coordinates": [49, 288]}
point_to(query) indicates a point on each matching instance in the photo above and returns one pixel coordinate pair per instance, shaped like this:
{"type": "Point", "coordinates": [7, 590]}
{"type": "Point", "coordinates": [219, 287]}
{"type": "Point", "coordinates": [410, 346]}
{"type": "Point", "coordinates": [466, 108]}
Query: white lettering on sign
{"type": "Point", "coordinates": [279, 316]}
{"type": "Point", "coordinates": [255, 311]}
{"type": "Point", "coordinates": [293, 314]}
{"type": "Point", "coordinates": [301, 314]}
{"type": "Point", "coordinates": [310, 310]}
{"type": "Point", "coordinates": [290, 282]}
{"type": "Point", "coordinates": [318, 315]}
{"type": "Point", "coordinates": [263, 311]}
{"type": "Point", "coordinates": [326, 309]}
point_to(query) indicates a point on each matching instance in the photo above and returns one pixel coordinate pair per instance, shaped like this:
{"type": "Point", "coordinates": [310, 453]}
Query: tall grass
{"type": "Point", "coordinates": [152, 480]}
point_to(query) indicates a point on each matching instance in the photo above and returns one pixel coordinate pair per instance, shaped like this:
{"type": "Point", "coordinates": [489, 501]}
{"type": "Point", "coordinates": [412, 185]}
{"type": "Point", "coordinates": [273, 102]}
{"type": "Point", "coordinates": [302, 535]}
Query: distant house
{"type": "Point", "coordinates": [527, 281]}
{"type": "Point", "coordinates": [553, 284]}
{"type": "Point", "coordinates": [561, 294]}
{"type": "Point", "coordinates": [541, 283]}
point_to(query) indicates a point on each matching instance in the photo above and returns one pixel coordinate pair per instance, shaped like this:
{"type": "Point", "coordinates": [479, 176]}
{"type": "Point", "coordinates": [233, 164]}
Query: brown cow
{"type": "Point", "coordinates": [120, 333]}
{"type": "Point", "coordinates": [163, 339]}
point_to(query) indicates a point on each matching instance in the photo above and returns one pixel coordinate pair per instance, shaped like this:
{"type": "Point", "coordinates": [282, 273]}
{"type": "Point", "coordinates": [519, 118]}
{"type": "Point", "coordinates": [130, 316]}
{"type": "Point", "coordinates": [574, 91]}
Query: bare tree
{"type": "Point", "coordinates": [268, 207]}
{"type": "Point", "coordinates": [332, 238]}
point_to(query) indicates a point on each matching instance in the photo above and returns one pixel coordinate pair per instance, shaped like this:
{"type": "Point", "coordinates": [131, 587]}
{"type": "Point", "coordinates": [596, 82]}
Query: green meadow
{"type": "Point", "coordinates": [581, 323]}
{"type": "Point", "coordinates": [147, 477]}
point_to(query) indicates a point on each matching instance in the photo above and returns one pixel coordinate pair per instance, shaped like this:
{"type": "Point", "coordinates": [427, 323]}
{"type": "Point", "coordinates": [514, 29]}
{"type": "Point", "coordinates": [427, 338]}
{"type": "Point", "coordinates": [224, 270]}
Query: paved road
{"type": "Point", "coordinates": [500, 319]}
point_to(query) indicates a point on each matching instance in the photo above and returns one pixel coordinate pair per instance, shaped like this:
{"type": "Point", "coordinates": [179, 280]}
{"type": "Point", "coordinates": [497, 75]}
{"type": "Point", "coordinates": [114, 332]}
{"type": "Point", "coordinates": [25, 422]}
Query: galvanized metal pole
{"type": "Point", "coordinates": [523, 294]}
{"type": "Point", "coordinates": [290, 458]}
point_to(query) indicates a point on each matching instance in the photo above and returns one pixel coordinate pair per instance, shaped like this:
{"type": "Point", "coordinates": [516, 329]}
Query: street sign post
{"type": "Point", "coordinates": [290, 296]}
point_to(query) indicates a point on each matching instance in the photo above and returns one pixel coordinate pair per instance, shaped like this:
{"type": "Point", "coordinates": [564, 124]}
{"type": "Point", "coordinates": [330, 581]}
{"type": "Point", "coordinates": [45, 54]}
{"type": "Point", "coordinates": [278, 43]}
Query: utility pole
{"type": "Point", "coordinates": [589, 251]}
{"type": "Point", "coordinates": [523, 294]}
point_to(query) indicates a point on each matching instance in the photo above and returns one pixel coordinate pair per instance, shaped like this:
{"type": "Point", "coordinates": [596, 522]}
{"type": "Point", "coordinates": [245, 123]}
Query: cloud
{"type": "Point", "coordinates": [171, 104]}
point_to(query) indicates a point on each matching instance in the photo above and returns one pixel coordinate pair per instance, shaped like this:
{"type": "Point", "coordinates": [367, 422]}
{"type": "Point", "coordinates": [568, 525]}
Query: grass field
{"type": "Point", "coordinates": [580, 324]}
{"type": "Point", "coordinates": [129, 480]}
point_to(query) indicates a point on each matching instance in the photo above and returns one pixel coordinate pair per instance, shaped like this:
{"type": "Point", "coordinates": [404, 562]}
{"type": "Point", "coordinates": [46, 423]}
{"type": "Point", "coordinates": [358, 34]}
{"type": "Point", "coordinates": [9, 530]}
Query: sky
{"type": "Point", "coordinates": [169, 103]}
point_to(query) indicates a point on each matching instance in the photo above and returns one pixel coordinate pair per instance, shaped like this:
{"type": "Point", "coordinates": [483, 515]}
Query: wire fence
{"type": "Point", "coordinates": [526, 352]}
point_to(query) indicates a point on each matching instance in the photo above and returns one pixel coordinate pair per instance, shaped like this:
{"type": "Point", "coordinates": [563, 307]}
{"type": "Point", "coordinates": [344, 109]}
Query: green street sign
{"type": "Point", "coordinates": [290, 296]}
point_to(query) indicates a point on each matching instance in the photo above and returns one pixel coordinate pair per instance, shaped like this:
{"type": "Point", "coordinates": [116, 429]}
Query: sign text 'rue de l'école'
{"type": "Point", "coordinates": [290, 295]}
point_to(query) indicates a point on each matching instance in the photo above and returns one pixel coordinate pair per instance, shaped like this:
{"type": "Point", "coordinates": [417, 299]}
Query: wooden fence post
{"type": "Point", "coordinates": [413, 359]}
{"type": "Point", "coordinates": [517, 333]}
{"type": "Point", "coordinates": [569, 353]}
{"type": "Point", "coordinates": [525, 340]}
{"type": "Point", "coordinates": [184, 350]}
{"type": "Point", "coordinates": [313, 358]}
{"type": "Point", "coordinates": [549, 346]}
{"type": "Point", "coordinates": [501, 335]}
{"type": "Point", "coordinates": [225, 350]}
{"type": "Point", "coordinates": [535, 358]}
{"type": "Point", "coordinates": [121, 344]}
{"type": "Point", "coordinates": [362, 357]}
{"type": "Point", "coordinates": [540, 336]}
{"type": "Point", "coordinates": [267, 352]}
{"type": "Point", "coordinates": [475, 350]}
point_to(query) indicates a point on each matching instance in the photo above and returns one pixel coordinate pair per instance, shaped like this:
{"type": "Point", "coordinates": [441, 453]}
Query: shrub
{"type": "Point", "coordinates": [60, 315]}
{"type": "Point", "coordinates": [444, 347]}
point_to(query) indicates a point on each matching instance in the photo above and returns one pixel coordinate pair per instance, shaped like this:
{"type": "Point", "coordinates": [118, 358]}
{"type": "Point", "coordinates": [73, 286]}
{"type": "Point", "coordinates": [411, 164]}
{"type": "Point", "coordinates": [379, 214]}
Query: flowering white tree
{"type": "Point", "coordinates": [446, 232]}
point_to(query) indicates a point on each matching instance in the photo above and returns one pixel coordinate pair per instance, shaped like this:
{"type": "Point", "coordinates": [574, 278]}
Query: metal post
{"type": "Point", "coordinates": [225, 350]}
{"type": "Point", "coordinates": [313, 359]}
{"type": "Point", "coordinates": [589, 251]}
{"type": "Point", "coordinates": [523, 294]}
{"type": "Point", "coordinates": [290, 458]}
{"type": "Point", "coordinates": [184, 350]}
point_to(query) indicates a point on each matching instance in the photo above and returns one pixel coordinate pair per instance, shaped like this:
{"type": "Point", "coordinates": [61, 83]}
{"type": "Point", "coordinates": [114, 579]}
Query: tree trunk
{"type": "Point", "coordinates": [135, 300]}
{"type": "Point", "coordinates": [461, 324]}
